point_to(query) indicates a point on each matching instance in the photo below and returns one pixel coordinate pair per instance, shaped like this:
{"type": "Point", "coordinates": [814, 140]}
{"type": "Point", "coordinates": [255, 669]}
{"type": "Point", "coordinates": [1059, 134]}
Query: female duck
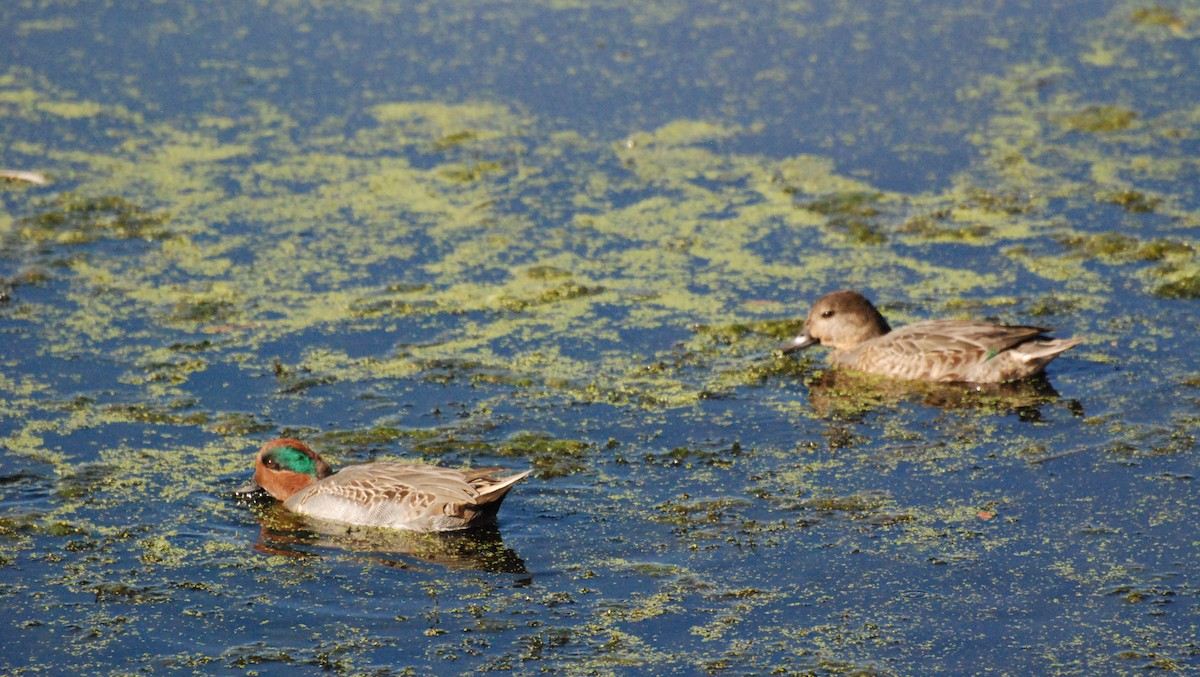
{"type": "Point", "coordinates": [935, 350]}
{"type": "Point", "coordinates": [383, 494]}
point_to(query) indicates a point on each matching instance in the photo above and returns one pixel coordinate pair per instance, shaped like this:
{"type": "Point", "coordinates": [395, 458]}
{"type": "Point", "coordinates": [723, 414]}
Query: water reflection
{"type": "Point", "coordinates": [285, 533]}
{"type": "Point", "coordinates": [849, 395]}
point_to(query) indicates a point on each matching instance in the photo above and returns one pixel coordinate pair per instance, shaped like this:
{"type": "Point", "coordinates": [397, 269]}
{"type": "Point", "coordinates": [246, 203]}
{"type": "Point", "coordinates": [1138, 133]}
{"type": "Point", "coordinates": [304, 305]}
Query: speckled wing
{"type": "Point", "coordinates": [401, 495]}
{"type": "Point", "coordinates": [983, 337]}
{"type": "Point", "coordinates": [938, 350]}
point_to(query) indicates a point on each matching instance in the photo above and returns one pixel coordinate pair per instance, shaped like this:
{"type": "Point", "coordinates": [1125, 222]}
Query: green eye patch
{"type": "Point", "coordinates": [290, 458]}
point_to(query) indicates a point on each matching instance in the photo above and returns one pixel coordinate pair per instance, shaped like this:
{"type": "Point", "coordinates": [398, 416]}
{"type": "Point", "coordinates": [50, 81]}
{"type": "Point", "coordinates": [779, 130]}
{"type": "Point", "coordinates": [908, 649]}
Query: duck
{"type": "Point", "coordinates": [934, 350]}
{"type": "Point", "coordinates": [406, 496]}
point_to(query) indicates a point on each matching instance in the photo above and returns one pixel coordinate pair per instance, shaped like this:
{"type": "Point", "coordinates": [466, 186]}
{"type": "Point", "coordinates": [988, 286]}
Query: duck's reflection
{"type": "Point", "coordinates": [285, 533]}
{"type": "Point", "coordinates": [845, 394]}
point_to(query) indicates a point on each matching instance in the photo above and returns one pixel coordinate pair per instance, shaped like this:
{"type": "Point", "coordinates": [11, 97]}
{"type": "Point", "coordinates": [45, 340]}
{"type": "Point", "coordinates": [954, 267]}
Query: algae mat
{"type": "Point", "coordinates": [568, 236]}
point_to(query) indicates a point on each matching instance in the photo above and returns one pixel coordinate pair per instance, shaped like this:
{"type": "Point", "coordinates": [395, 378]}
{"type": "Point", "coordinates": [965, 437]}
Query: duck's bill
{"type": "Point", "coordinates": [249, 488]}
{"type": "Point", "coordinates": [799, 343]}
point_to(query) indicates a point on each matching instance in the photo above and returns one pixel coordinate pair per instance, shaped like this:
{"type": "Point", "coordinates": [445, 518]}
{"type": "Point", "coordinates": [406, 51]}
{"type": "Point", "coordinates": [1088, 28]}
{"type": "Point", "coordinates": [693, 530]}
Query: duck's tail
{"type": "Point", "coordinates": [1042, 351]}
{"type": "Point", "coordinates": [492, 489]}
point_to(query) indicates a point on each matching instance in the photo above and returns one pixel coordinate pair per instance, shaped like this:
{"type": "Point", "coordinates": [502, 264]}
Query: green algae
{"type": "Point", "coordinates": [564, 291]}
{"type": "Point", "coordinates": [1116, 247]}
{"type": "Point", "coordinates": [1187, 287]}
{"type": "Point", "coordinates": [550, 457]}
{"type": "Point", "coordinates": [173, 413]}
{"type": "Point", "coordinates": [74, 219]}
{"type": "Point", "coordinates": [1158, 15]}
{"type": "Point", "coordinates": [1132, 200]}
{"type": "Point", "coordinates": [1099, 119]}
{"type": "Point", "coordinates": [939, 226]}
{"type": "Point", "coordinates": [237, 424]}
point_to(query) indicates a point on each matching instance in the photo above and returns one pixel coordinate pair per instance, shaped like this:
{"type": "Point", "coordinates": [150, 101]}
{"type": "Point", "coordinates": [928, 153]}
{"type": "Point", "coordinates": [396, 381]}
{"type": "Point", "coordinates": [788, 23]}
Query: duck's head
{"type": "Point", "coordinates": [842, 320]}
{"type": "Point", "coordinates": [285, 466]}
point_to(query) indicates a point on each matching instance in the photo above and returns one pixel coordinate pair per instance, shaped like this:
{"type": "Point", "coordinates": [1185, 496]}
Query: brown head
{"type": "Point", "coordinates": [285, 466]}
{"type": "Point", "coordinates": [842, 320]}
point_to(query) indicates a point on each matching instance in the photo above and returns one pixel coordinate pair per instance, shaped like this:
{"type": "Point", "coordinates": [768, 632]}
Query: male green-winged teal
{"type": "Point", "coordinates": [935, 350]}
{"type": "Point", "coordinates": [382, 494]}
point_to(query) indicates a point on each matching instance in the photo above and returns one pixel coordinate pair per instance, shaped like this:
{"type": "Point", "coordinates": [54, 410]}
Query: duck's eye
{"type": "Point", "coordinates": [827, 314]}
{"type": "Point", "coordinates": [271, 463]}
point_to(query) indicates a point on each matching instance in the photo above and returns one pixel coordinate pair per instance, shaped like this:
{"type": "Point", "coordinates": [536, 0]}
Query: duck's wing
{"type": "Point", "coordinates": [372, 482]}
{"type": "Point", "coordinates": [404, 495]}
{"type": "Point", "coordinates": [939, 350]}
{"type": "Point", "coordinates": [984, 338]}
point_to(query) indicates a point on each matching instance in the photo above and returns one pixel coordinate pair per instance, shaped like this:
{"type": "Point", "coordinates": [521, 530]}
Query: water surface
{"type": "Point", "coordinates": [567, 236]}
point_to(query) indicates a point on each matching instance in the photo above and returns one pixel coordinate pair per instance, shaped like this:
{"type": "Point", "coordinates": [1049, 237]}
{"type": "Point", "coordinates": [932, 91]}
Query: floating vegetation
{"type": "Point", "coordinates": [180, 413]}
{"type": "Point", "coordinates": [852, 214]}
{"type": "Point", "coordinates": [397, 307]}
{"type": "Point", "coordinates": [86, 481]}
{"type": "Point", "coordinates": [1132, 201]}
{"type": "Point", "coordinates": [76, 219]}
{"type": "Point", "coordinates": [565, 291]}
{"type": "Point", "coordinates": [722, 457]}
{"type": "Point", "coordinates": [202, 310]}
{"type": "Point", "coordinates": [237, 424]}
{"type": "Point", "coordinates": [1011, 203]}
{"type": "Point", "coordinates": [939, 226]}
{"type": "Point", "coordinates": [1052, 305]}
{"type": "Point", "coordinates": [550, 457]}
{"type": "Point", "coordinates": [1099, 119]}
{"type": "Point", "coordinates": [688, 513]}
{"type": "Point", "coordinates": [1186, 287]}
{"type": "Point", "coordinates": [1158, 15]}
{"type": "Point", "coordinates": [378, 436]}
{"type": "Point", "coordinates": [857, 503]}
{"type": "Point", "coordinates": [1121, 247]}
{"type": "Point", "coordinates": [471, 173]}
